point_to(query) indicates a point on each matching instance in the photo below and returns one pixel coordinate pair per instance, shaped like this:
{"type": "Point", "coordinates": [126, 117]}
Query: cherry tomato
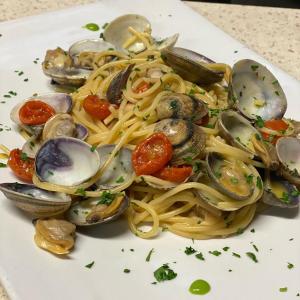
{"type": "Point", "coordinates": [277, 125]}
{"type": "Point", "coordinates": [21, 165]}
{"type": "Point", "coordinates": [35, 112]}
{"type": "Point", "coordinates": [142, 87]}
{"type": "Point", "coordinates": [152, 154]}
{"type": "Point", "coordinates": [174, 174]}
{"type": "Point", "coordinates": [96, 107]}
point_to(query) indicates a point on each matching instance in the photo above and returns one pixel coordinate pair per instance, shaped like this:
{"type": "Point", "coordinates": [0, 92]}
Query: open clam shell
{"type": "Point", "coordinates": [87, 46]}
{"type": "Point", "coordinates": [257, 91]}
{"type": "Point", "coordinates": [188, 140]}
{"type": "Point", "coordinates": [190, 65]}
{"type": "Point", "coordinates": [36, 201]}
{"type": "Point", "coordinates": [288, 151]}
{"type": "Point", "coordinates": [116, 32]}
{"type": "Point", "coordinates": [60, 102]}
{"type": "Point", "coordinates": [58, 65]}
{"type": "Point", "coordinates": [66, 161]}
{"type": "Point", "coordinates": [168, 42]}
{"type": "Point", "coordinates": [279, 192]}
{"type": "Point", "coordinates": [228, 177]}
{"type": "Point", "coordinates": [175, 105]}
{"type": "Point", "coordinates": [119, 171]}
{"type": "Point", "coordinates": [79, 213]}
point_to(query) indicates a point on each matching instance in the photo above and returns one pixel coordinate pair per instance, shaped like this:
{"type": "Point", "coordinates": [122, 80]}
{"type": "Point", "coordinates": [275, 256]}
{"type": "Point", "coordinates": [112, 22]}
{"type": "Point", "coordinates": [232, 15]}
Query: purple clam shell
{"type": "Point", "coordinates": [81, 132]}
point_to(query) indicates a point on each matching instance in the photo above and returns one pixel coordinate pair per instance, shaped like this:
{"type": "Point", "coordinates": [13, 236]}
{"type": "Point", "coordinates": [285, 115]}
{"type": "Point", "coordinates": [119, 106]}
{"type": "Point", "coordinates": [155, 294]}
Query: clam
{"type": "Point", "coordinates": [288, 151]}
{"type": "Point", "coordinates": [55, 236]}
{"type": "Point", "coordinates": [239, 132]}
{"type": "Point", "coordinates": [92, 211]}
{"type": "Point", "coordinates": [175, 105]}
{"type": "Point", "coordinates": [66, 161]}
{"type": "Point", "coordinates": [58, 65]}
{"type": "Point", "coordinates": [190, 65]}
{"type": "Point", "coordinates": [82, 52]}
{"type": "Point", "coordinates": [257, 91]}
{"type": "Point", "coordinates": [31, 146]}
{"type": "Point", "coordinates": [228, 177]}
{"type": "Point", "coordinates": [81, 132]}
{"type": "Point", "coordinates": [117, 33]}
{"type": "Point", "coordinates": [36, 201]}
{"type": "Point", "coordinates": [168, 42]}
{"type": "Point", "coordinates": [187, 139]}
{"type": "Point", "coordinates": [279, 192]}
{"type": "Point", "coordinates": [60, 102]}
{"type": "Point", "coordinates": [115, 89]}
{"type": "Point", "coordinates": [119, 171]}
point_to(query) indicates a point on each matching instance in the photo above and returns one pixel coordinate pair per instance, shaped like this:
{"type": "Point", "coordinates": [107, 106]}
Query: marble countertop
{"type": "Point", "coordinates": [272, 32]}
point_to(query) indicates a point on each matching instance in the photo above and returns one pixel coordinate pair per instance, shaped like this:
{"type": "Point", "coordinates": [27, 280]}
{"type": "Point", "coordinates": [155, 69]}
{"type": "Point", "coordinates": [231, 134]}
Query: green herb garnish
{"type": "Point", "coordinates": [200, 256]}
{"type": "Point", "coordinates": [252, 230]}
{"type": "Point", "coordinates": [81, 192]}
{"type": "Point", "coordinates": [240, 231]}
{"type": "Point", "coordinates": [290, 266]}
{"type": "Point", "coordinates": [149, 254]}
{"type": "Point", "coordinates": [106, 198]}
{"type": "Point", "coordinates": [236, 255]}
{"type": "Point", "coordinates": [226, 249]}
{"type": "Point", "coordinates": [215, 252]}
{"type": "Point", "coordinates": [259, 183]}
{"type": "Point", "coordinates": [234, 180]}
{"type": "Point", "coordinates": [164, 273]}
{"type": "Point", "coordinates": [91, 26]}
{"type": "Point", "coordinates": [189, 250]}
{"type": "Point", "coordinates": [90, 265]}
{"type": "Point", "coordinates": [249, 178]}
{"type": "Point", "coordinates": [174, 104]}
{"type": "Point", "coordinates": [120, 179]}
{"type": "Point", "coordinates": [254, 67]}
{"type": "Point", "coordinates": [259, 122]}
{"type": "Point", "coordinates": [126, 271]}
{"type": "Point", "coordinates": [93, 148]}
{"type": "Point", "coordinates": [2, 165]}
{"type": "Point", "coordinates": [252, 256]}
{"type": "Point", "coordinates": [255, 248]}
{"type": "Point", "coordinates": [283, 290]}
{"type": "Point", "coordinates": [24, 156]}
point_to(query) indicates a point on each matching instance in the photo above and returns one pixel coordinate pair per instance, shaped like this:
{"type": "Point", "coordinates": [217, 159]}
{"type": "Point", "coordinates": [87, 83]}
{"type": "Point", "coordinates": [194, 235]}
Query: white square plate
{"type": "Point", "coordinates": [30, 273]}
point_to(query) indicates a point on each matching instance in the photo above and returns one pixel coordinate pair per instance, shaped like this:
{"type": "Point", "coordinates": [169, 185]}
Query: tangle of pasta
{"type": "Point", "coordinates": [181, 209]}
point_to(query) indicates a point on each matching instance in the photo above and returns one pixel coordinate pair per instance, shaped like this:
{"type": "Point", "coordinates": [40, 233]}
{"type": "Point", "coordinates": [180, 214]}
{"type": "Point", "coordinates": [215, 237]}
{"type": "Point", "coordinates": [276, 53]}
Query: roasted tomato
{"type": "Point", "coordinates": [96, 107]}
{"type": "Point", "coordinates": [152, 154]}
{"type": "Point", "coordinates": [21, 165]}
{"type": "Point", "coordinates": [35, 112]}
{"type": "Point", "coordinates": [175, 174]}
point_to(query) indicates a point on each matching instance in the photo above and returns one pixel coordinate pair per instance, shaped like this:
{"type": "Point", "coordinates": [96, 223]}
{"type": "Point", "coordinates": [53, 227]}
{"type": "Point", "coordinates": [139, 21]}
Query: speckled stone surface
{"type": "Point", "coordinates": [272, 32]}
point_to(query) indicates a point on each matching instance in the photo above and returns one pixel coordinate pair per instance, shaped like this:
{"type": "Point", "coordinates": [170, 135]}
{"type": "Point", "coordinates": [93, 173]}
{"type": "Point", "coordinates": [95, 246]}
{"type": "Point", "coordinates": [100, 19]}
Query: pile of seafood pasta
{"type": "Point", "coordinates": [160, 134]}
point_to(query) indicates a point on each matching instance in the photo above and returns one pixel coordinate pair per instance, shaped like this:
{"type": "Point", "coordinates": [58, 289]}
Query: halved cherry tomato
{"type": "Point", "coordinates": [142, 87]}
{"type": "Point", "coordinates": [152, 154]}
{"type": "Point", "coordinates": [96, 107]}
{"type": "Point", "coordinates": [175, 174]}
{"type": "Point", "coordinates": [35, 112]}
{"type": "Point", "coordinates": [21, 165]}
{"type": "Point", "coordinates": [277, 125]}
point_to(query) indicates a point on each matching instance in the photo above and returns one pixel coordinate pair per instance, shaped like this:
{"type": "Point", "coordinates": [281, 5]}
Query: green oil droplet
{"type": "Point", "coordinates": [199, 287]}
{"type": "Point", "coordinates": [91, 26]}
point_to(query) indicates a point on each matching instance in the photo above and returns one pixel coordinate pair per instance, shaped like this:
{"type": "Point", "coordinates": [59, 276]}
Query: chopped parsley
{"type": "Point", "coordinates": [24, 156]}
{"type": "Point", "coordinates": [188, 160]}
{"type": "Point", "coordinates": [149, 254]}
{"type": "Point", "coordinates": [285, 197]}
{"type": "Point", "coordinates": [50, 172]}
{"type": "Point", "coordinates": [252, 256]}
{"type": "Point", "coordinates": [189, 250]}
{"type": "Point", "coordinates": [277, 93]}
{"type": "Point", "coordinates": [214, 112]}
{"type": "Point", "coordinates": [126, 271]}
{"type": "Point", "coordinates": [106, 198]}
{"type": "Point", "coordinates": [252, 230]}
{"type": "Point", "coordinates": [290, 266]}
{"type": "Point", "coordinates": [215, 252]}
{"type": "Point", "coordinates": [240, 231]}
{"type": "Point", "coordinates": [234, 180]}
{"type": "Point", "coordinates": [90, 265]}
{"type": "Point", "coordinates": [283, 290]}
{"type": "Point", "coordinates": [255, 247]}
{"type": "Point", "coordinates": [259, 122]}
{"type": "Point", "coordinates": [259, 183]}
{"type": "Point", "coordinates": [275, 82]}
{"type": "Point", "coordinates": [120, 179]}
{"type": "Point", "coordinates": [295, 193]}
{"type": "Point", "coordinates": [164, 273]}
{"type": "Point", "coordinates": [93, 148]}
{"type": "Point", "coordinates": [81, 192]}
{"type": "Point", "coordinates": [225, 249]}
{"type": "Point", "coordinates": [2, 165]}
{"type": "Point", "coordinates": [236, 255]}
{"type": "Point", "coordinates": [91, 26]}
{"type": "Point", "coordinates": [174, 104]}
{"type": "Point", "coordinates": [200, 256]}
{"type": "Point", "coordinates": [104, 25]}
{"type": "Point", "coordinates": [254, 67]}
{"type": "Point", "coordinates": [75, 211]}
{"type": "Point", "coordinates": [26, 79]}
{"type": "Point", "coordinates": [249, 178]}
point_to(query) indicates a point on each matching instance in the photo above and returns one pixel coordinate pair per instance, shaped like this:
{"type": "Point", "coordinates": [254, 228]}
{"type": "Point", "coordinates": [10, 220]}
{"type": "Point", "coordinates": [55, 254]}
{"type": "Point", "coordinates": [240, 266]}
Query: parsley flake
{"type": "Point", "coordinates": [290, 266]}
{"type": "Point", "coordinates": [120, 179]}
{"type": "Point", "coordinates": [226, 249]}
{"type": "Point", "coordinates": [164, 273]}
{"type": "Point", "coordinates": [93, 148]}
{"type": "Point", "coordinates": [2, 165]}
{"type": "Point", "coordinates": [126, 271]}
{"type": "Point", "coordinates": [90, 265]}
{"type": "Point", "coordinates": [283, 290]}
{"type": "Point", "coordinates": [81, 192]}
{"type": "Point", "coordinates": [254, 67]}
{"type": "Point", "coordinates": [106, 198]}
{"type": "Point", "coordinates": [236, 255]}
{"type": "Point", "coordinates": [215, 252]}
{"type": "Point", "coordinates": [200, 256]}
{"type": "Point", "coordinates": [24, 156]}
{"type": "Point", "coordinates": [252, 256]}
{"type": "Point", "coordinates": [189, 250]}
{"type": "Point", "coordinates": [149, 254]}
